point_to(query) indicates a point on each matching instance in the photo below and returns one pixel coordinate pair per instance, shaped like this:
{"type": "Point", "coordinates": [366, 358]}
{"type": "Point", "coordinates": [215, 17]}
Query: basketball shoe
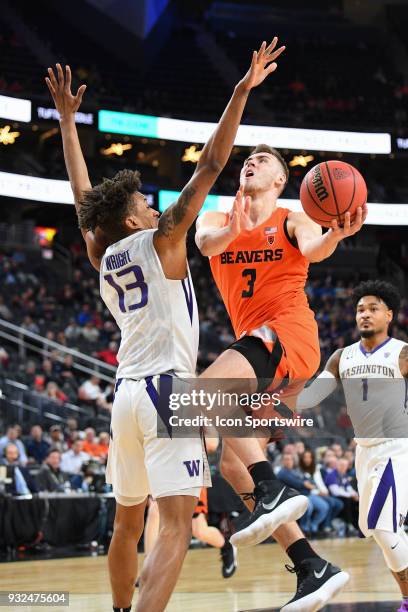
{"type": "Point", "coordinates": [404, 607]}
{"type": "Point", "coordinates": [318, 581]}
{"type": "Point", "coordinates": [275, 504]}
{"type": "Point", "coordinates": [229, 559]}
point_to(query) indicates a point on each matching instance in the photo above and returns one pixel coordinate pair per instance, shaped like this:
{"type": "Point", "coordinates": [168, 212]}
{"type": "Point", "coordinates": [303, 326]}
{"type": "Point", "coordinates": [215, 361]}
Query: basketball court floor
{"type": "Point", "coordinates": [261, 583]}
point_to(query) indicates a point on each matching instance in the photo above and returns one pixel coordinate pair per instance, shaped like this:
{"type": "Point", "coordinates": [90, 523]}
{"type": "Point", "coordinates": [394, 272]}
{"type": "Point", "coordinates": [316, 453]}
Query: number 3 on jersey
{"type": "Point", "coordinates": [251, 274]}
{"type": "Point", "coordinates": [139, 284]}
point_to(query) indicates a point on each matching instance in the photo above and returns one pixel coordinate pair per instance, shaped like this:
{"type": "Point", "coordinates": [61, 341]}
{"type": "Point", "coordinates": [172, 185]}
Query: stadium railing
{"type": "Point", "coordinates": [26, 341]}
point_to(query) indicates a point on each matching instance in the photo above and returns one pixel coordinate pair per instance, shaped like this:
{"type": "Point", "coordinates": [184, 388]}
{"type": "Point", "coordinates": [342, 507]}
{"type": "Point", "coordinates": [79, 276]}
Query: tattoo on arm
{"type": "Point", "coordinates": [175, 214]}
{"type": "Point", "coordinates": [403, 360]}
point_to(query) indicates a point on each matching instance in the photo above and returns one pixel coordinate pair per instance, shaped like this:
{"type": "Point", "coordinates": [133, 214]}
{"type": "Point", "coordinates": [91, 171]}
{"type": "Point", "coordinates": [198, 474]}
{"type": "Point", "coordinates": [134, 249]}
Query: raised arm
{"type": "Point", "coordinates": [322, 386]}
{"type": "Point", "coordinates": [67, 104]}
{"type": "Point", "coordinates": [214, 234]}
{"type": "Point", "coordinates": [178, 218]}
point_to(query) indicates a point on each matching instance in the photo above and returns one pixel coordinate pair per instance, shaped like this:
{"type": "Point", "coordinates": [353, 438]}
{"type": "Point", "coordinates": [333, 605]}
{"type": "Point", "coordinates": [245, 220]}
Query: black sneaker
{"type": "Point", "coordinates": [275, 504]}
{"type": "Point", "coordinates": [318, 581]}
{"type": "Point", "coordinates": [229, 559]}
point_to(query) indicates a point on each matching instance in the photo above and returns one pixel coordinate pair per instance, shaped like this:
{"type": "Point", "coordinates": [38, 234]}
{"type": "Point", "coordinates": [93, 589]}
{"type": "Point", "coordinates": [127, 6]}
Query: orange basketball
{"type": "Point", "coordinates": [331, 189]}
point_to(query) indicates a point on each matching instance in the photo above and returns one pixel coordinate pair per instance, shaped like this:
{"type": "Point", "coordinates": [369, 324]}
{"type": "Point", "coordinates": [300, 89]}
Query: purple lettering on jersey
{"type": "Point", "coordinates": [113, 262]}
{"type": "Point", "coordinates": [139, 284]}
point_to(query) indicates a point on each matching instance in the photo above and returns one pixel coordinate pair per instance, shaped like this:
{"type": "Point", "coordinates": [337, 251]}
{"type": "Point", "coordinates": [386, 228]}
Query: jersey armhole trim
{"type": "Point", "coordinates": [292, 240]}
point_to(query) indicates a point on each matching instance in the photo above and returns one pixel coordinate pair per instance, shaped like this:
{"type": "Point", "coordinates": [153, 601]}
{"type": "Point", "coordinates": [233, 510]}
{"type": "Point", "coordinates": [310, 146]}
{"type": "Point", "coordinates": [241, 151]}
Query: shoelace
{"type": "Point", "coordinates": [301, 573]}
{"type": "Point", "coordinates": [247, 496]}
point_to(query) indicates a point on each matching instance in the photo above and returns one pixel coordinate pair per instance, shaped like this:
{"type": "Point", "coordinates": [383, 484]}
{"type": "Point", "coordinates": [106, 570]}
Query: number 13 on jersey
{"type": "Point", "coordinates": [139, 283]}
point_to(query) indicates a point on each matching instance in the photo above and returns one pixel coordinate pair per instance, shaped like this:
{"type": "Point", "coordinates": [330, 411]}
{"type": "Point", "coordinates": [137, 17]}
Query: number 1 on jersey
{"type": "Point", "coordinates": [251, 273]}
{"type": "Point", "coordinates": [365, 389]}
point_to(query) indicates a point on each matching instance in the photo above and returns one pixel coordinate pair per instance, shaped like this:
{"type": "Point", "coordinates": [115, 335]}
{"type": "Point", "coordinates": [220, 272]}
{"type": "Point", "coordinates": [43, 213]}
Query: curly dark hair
{"type": "Point", "coordinates": [107, 204]}
{"type": "Point", "coordinates": [380, 289]}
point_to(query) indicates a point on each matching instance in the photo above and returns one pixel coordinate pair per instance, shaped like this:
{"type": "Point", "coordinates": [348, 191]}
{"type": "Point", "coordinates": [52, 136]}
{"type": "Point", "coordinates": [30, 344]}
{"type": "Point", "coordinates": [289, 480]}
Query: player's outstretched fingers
{"type": "Point", "coordinates": [61, 78]}
{"type": "Point", "coordinates": [53, 78]}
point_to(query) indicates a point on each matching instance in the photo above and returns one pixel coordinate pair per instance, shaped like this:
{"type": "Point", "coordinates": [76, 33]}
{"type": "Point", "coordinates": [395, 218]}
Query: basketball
{"type": "Point", "coordinates": [330, 189]}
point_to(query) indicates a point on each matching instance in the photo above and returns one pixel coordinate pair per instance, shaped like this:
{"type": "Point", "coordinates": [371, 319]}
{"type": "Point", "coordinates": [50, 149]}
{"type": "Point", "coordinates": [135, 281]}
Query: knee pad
{"type": "Point", "coordinates": [394, 547]}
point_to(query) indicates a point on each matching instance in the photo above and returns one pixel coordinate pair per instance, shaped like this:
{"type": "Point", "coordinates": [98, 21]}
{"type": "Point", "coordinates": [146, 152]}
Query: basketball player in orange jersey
{"type": "Point", "coordinates": [259, 256]}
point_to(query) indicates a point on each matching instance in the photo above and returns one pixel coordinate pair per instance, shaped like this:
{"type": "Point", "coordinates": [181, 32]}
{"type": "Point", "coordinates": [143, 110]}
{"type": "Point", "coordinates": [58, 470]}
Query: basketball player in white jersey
{"type": "Point", "coordinates": [146, 284]}
{"type": "Point", "coordinates": [374, 376]}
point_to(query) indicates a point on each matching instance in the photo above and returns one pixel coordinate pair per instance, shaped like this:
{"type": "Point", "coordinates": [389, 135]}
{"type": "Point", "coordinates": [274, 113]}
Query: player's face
{"type": "Point", "coordinates": [142, 215]}
{"type": "Point", "coordinates": [261, 172]}
{"type": "Point", "coordinates": [373, 316]}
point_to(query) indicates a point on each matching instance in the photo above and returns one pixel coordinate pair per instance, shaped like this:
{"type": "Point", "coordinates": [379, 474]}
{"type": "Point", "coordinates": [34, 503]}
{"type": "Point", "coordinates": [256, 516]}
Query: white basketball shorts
{"type": "Point", "coordinates": [382, 481]}
{"type": "Point", "coordinates": [141, 463]}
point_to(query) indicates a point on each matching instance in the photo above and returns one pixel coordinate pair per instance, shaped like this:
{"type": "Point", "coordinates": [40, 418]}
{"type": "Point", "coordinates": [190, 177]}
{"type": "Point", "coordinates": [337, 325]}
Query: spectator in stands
{"type": "Point", "coordinates": [340, 486]}
{"type": "Point", "coordinates": [12, 437]}
{"type": "Point", "coordinates": [299, 447]}
{"type": "Point", "coordinates": [27, 377]}
{"type": "Point", "coordinates": [91, 393]}
{"type": "Point", "coordinates": [54, 393]}
{"type": "Point", "coordinates": [90, 333]}
{"type": "Point", "coordinates": [56, 439]}
{"type": "Point", "coordinates": [51, 477]}
{"type": "Point", "coordinates": [307, 464]}
{"type": "Point", "coordinates": [73, 331]}
{"type": "Point", "coordinates": [109, 355]}
{"type": "Point", "coordinates": [37, 447]}
{"type": "Point", "coordinates": [337, 449]}
{"type": "Point", "coordinates": [318, 509]}
{"type": "Point", "coordinates": [85, 315]}
{"type": "Point", "coordinates": [91, 444]}
{"type": "Point", "coordinates": [29, 325]}
{"type": "Point", "coordinates": [5, 312]}
{"type": "Point", "coordinates": [15, 471]}
{"type": "Point", "coordinates": [71, 432]}
{"type": "Point", "coordinates": [73, 459]}
{"type": "Point", "coordinates": [104, 440]}
{"type": "Point", "coordinates": [48, 371]}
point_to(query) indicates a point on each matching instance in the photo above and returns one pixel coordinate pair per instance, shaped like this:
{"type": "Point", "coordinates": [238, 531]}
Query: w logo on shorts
{"type": "Point", "coordinates": [193, 467]}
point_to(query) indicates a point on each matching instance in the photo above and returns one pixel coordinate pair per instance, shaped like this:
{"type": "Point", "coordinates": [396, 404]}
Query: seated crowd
{"type": "Point", "coordinates": [62, 460]}
{"type": "Point", "coordinates": [56, 461]}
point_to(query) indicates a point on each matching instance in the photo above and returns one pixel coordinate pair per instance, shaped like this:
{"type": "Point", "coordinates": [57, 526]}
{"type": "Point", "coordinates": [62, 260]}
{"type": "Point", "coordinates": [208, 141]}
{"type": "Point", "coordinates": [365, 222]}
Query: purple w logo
{"type": "Point", "coordinates": [193, 467]}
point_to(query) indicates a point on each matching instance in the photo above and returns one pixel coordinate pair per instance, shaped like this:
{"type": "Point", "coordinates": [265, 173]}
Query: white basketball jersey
{"type": "Point", "coordinates": [375, 391]}
{"type": "Point", "coordinates": [157, 317]}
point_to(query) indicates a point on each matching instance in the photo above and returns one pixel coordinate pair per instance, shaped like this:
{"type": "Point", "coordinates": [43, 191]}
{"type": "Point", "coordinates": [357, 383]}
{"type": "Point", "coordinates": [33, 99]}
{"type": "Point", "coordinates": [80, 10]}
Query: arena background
{"type": "Point", "coordinates": [148, 64]}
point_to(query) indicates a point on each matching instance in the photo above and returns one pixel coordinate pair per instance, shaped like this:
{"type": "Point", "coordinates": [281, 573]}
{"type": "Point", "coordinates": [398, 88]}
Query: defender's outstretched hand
{"type": "Point", "coordinates": [263, 63]}
{"type": "Point", "coordinates": [239, 215]}
{"type": "Point", "coordinates": [60, 89]}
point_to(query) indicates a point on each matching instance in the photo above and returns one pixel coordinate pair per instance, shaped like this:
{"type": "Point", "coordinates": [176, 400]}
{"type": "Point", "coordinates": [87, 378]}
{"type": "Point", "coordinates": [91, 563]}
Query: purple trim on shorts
{"type": "Point", "coordinates": [161, 402]}
{"type": "Point", "coordinates": [188, 296]}
{"type": "Point", "coordinates": [377, 348]}
{"type": "Point", "coordinates": [117, 385]}
{"type": "Point", "coordinates": [386, 483]}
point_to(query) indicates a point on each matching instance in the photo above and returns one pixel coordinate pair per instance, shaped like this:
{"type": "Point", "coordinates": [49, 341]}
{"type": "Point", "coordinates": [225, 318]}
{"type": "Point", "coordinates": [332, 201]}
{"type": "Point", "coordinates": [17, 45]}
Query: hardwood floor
{"type": "Point", "coordinates": [261, 580]}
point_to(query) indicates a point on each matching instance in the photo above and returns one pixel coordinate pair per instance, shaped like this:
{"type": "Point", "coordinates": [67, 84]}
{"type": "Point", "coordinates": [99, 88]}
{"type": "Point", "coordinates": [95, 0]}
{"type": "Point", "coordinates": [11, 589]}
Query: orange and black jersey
{"type": "Point", "coordinates": [262, 275]}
